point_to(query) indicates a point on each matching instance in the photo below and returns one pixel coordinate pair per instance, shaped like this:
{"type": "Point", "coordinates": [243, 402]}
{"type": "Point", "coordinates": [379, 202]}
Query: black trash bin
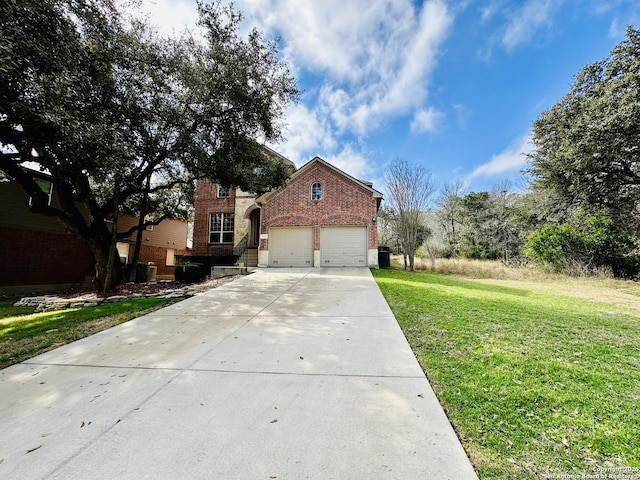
{"type": "Point", "coordinates": [384, 257]}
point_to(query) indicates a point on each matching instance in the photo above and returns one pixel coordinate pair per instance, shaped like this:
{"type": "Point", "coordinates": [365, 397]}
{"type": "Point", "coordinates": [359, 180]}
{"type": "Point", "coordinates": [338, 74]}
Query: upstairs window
{"type": "Point", "coordinates": [223, 192]}
{"type": "Point", "coordinates": [221, 229]}
{"type": "Point", "coordinates": [46, 187]}
{"type": "Point", "coordinates": [316, 191]}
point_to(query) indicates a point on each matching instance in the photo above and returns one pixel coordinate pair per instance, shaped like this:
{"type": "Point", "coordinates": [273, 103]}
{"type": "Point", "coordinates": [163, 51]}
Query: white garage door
{"type": "Point", "coordinates": [291, 247]}
{"type": "Point", "coordinates": [343, 246]}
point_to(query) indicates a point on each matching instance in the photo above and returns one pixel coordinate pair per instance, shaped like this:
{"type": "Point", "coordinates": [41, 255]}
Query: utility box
{"type": "Point", "coordinates": [152, 273]}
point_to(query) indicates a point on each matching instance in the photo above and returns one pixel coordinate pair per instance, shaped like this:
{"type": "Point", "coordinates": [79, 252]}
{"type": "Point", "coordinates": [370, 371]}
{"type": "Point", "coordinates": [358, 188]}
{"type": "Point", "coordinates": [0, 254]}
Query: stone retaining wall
{"type": "Point", "coordinates": [49, 303]}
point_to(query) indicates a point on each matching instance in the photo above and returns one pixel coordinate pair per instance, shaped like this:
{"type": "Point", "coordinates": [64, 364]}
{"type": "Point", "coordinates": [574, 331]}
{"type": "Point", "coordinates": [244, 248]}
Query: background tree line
{"type": "Point", "coordinates": [580, 212]}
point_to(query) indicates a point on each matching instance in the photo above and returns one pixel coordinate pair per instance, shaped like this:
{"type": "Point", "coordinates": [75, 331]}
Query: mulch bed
{"type": "Point", "coordinates": [131, 288]}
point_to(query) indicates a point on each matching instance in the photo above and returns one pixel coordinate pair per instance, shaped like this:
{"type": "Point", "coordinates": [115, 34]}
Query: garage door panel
{"type": "Point", "coordinates": [343, 246]}
{"type": "Point", "coordinates": [291, 247]}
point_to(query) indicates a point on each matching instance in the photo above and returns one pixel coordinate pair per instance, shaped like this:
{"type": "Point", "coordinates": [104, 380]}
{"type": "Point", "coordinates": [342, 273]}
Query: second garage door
{"type": "Point", "coordinates": [343, 246]}
{"type": "Point", "coordinates": [291, 247]}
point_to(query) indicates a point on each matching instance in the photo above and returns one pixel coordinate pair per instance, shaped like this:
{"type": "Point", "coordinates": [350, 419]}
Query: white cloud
{"type": "Point", "coordinates": [334, 36]}
{"type": "Point", "coordinates": [527, 21]}
{"type": "Point", "coordinates": [463, 114]}
{"type": "Point", "coordinates": [426, 120]}
{"type": "Point", "coordinates": [305, 135]}
{"type": "Point", "coordinates": [170, 16]}
{"type": "Point", "coordinates": [487, 12]}
{"type": "Point", "coordinates": [516, 25]}
{"type": "Point", "coordinates": [334, 103]}
{"type": "Point", "coordinates": [350, 161]}
{"type": "Point", "coordinates": [374, 60]}
{"type": "Point", "coordinates": [512, 159]}
{"type": "Point", "coordinates": [375, 57]}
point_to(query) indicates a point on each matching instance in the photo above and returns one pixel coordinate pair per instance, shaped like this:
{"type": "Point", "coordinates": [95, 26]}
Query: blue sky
{"type": "Point", "coordinates": [454, 86]}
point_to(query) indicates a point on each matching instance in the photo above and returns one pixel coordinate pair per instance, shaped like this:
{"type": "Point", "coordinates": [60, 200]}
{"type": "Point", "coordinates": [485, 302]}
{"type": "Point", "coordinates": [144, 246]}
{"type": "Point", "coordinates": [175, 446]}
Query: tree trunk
{"type": "Point", "coordinates": [101, 256]}
{"type": "Point", "coordinates": [109, 281]}
{"type": "Point", "coordinates": [144, 203]}
{"type": "Point", "coordinates": [136, 250]}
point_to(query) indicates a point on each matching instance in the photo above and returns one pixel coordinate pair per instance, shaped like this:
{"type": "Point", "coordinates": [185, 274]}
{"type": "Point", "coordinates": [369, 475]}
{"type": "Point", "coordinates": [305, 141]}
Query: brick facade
{"type": "Point", "coordinates": [43, 258]}
{"type": "Point", "coordinates": [158, 255]}
{"type": "Point", "coordinates": [37, 250]}
{"type": "Point", "coordinates": [237, 203]}
{"type": "Point", "coordinates": [344, 202]}
{"type": "Point", "coordinates": [207, 201]}
{"type": "Point", "coordinates": [169, 235]}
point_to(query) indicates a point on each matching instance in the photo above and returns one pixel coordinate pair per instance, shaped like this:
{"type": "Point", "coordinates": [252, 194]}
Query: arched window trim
{"type": "Point", "coordinates": [316, 191]}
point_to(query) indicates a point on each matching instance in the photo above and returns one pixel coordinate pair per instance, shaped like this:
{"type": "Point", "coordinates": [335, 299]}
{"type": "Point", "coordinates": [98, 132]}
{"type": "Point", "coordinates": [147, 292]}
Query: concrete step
{"type": "Point", "coordinates": [250, 257]}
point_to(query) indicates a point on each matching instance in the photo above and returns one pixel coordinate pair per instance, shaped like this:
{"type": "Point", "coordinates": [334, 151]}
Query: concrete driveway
{"type": "Point", "coordinates": [283, 374]}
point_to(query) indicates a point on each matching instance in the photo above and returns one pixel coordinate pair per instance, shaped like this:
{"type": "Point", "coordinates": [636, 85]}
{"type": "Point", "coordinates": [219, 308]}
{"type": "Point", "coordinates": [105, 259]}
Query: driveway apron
{"type": "Point", "coordinates": [282, 374]}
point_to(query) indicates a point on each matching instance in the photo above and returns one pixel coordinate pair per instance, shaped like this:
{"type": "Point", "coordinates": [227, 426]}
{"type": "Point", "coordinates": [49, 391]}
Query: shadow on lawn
{"type": "Point", "coordinates": [428, 278]}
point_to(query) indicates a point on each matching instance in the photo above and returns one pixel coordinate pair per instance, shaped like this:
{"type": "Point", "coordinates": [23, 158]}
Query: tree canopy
{"type": "Point", "coordinates": [587, 160]}
{"type": "Point", "coordinates": [125, 120]}
{"type": "Point", "coordinates": [588, 144]}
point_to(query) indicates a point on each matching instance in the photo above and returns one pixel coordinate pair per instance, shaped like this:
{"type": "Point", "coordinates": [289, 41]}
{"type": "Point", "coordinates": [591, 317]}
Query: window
{"type": "Point", "coordinates": [171, 258]}
{"type": "Point", "coordinates": [316, 191]}
{"type": "Point", "coordinates": [223, 191]}
{"type": "Point", "coordinates": [46, 186]}
{"type": "Point", "coordinates": [123, 252]}
{"type": "Point", "coordinates": [221, 230]}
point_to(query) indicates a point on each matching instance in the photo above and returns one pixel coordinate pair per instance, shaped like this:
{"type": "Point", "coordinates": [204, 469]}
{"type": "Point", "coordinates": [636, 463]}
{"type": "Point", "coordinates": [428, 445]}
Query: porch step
{"type": "Point", "coordinates": [250, 257]}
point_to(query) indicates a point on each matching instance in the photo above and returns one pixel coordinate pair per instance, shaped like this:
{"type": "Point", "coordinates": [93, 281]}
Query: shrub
{"type": "Point", "coordinates": [598, 245]}
{"type": "Point", "coordinates": [191, 272]}
{"type": "Point", "coordinates": [142, 270]}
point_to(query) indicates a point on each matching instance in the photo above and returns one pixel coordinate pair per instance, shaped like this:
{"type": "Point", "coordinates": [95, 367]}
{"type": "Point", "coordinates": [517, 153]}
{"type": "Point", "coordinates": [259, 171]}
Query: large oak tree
{"type": "Point", "coordinates": [125, 121]}
{"type": "Point", "coordinates": [588, 144]}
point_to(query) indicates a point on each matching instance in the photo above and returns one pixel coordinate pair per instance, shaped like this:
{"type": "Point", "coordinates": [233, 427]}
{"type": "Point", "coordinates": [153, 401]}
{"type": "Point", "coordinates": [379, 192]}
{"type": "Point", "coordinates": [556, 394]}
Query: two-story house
{"type": "Point", "coordinates": [38, 254]}
{"type": "Point", "coordinates": [321, 217]}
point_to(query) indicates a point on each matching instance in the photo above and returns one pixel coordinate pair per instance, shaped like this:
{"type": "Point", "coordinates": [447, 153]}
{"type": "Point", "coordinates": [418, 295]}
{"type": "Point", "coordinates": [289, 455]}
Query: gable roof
{"type": "Point", "coordinates": [317, 160]}
{"type": "Point", "coordinates": [273, 154]}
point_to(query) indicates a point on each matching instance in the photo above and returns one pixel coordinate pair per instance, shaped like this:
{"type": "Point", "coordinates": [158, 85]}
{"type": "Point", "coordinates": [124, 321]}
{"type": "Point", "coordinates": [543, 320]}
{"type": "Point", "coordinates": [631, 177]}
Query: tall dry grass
{"type": "Point", "coordinates": [490, 269]}
{"type": "Point", "coordinates": [472, 268]}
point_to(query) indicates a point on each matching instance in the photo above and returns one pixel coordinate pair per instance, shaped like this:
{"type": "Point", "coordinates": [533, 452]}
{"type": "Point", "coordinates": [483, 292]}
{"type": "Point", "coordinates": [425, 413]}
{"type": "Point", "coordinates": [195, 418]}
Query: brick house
{"type": "Point", "coordinates": [160, 244]}
{"type": "Point", "coordinates": [321, 217]}
{"type": "Point", "coordinates": [38, 254]}
{"type": "Point", "coordinates": [36, 250]}
{"type": "Point", "coordinates": [225, 220]}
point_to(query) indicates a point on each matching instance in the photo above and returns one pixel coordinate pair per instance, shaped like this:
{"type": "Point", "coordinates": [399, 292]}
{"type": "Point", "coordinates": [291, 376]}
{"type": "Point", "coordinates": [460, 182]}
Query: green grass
{"type": "Point", "coordinates": [535, 383]}
{"type": "Point", "coordinates": [24, 334]}
{"type": "Point", "coordinates": [8, 310]}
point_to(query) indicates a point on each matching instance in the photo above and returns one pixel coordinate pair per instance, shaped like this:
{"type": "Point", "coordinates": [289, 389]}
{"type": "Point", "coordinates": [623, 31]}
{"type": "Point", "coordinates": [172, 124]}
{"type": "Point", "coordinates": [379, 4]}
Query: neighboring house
{"type": "Point", "coordinates": [321, 217]}
{"type": "Point", "coordinates": [160, 244]}
{"type": "Point", "coordinates": [38, 253]}
{"type": "Point", "coordinates": [36, 250]}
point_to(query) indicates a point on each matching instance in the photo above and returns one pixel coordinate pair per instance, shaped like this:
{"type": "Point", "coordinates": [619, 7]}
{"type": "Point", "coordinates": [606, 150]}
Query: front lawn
{"type": "Point", "coordinates": [536, 383]}
{"type": "Point", "coordinates": [24, 334]}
